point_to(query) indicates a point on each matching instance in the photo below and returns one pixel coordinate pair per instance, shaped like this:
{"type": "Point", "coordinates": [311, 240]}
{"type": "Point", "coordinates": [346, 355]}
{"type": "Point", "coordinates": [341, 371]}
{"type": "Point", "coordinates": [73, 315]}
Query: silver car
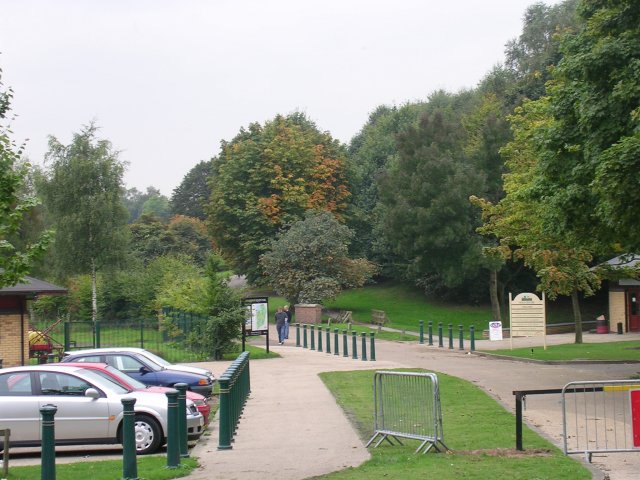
{"type": "Point", "coordinates": [89, 408]}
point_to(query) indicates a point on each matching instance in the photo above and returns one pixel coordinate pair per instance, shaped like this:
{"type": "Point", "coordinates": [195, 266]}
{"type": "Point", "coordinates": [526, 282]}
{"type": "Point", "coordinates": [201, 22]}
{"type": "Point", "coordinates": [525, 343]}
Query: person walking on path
{"type": "Point", "coordinates": [281, 319]}
{"type": "Point", "coordinates": [287, 322]}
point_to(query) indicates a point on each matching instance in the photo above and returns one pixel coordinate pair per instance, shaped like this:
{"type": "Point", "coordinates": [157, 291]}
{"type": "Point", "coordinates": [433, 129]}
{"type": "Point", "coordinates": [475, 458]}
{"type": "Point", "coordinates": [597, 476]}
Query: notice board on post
{"type": "Point", "coordinates": [257, 319]}
{"type": "Point", "coordinates": [528, 316]}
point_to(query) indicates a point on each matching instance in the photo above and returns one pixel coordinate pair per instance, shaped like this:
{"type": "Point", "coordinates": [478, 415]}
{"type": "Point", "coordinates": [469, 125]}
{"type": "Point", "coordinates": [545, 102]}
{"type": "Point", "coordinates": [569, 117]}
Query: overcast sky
{"type": "Point", "coordinates": [166, 80]}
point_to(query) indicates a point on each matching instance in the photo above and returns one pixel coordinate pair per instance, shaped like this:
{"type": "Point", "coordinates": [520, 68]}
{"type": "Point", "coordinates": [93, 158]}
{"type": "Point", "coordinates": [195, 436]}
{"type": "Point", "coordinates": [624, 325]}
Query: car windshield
{"type": "Point", "coordinates": [106, 376]}
{"type": "Point", "coordinates": [125, 378]}
{"type": "Point", "coordinates": [156, 358]}
{"type": "Point", "coordinates": [99, 381]}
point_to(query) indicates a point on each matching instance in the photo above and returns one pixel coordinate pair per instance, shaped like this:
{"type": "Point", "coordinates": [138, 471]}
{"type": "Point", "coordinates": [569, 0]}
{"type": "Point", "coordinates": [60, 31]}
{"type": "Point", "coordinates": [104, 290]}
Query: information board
{"type": "Point", "coordinates": [257, 320]}
{"type": "Point", "coordinates": [527, 314]}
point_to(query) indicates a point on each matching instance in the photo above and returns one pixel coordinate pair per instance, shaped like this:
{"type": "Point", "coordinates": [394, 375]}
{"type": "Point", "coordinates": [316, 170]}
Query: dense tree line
{"type": "Point", "coordinates": [529, 174]}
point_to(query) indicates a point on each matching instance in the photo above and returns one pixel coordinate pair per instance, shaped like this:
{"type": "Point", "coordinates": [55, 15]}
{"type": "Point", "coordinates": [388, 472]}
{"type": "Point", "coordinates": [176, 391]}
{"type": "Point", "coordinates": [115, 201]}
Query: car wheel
{"type": "Point", "coordinates": [148, 434]}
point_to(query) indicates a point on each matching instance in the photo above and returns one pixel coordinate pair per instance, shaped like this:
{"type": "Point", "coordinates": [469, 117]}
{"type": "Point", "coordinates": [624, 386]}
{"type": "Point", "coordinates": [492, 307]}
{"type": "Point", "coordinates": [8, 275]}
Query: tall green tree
{"type": "Point", "coordinates": [591, 157]}
{"type": "Point", "coordinates": [83, 193]}
{"type": "Point", "coordinates": [309, 262]}
{"type": "Point", "coordinates": [190, 197]}
{"type": "Point", "coordinates": [267, 177]}
{"type": "Point", "coordinates": [16, 254]}
{"type": "Point", "coordinates": [427, 215]}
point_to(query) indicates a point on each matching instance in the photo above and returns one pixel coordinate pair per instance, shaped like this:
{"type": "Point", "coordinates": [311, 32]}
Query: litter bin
{"type": "Point", "coordinates": [602, 326]}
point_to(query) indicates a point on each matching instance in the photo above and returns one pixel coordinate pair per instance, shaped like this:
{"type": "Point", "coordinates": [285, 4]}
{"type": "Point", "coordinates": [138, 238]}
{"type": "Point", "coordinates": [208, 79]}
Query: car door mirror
{"type": "Point", "coordinates": [143, 370]}
{"type": "Point", "coordinates": [92, 393]}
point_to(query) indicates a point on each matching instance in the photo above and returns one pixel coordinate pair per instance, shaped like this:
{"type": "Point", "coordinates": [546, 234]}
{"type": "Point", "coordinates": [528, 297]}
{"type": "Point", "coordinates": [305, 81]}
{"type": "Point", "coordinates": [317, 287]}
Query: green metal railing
{"type": "Point", "coordinates": [336, 344]}
{"type": "Point", "coordinates": [235, 386]}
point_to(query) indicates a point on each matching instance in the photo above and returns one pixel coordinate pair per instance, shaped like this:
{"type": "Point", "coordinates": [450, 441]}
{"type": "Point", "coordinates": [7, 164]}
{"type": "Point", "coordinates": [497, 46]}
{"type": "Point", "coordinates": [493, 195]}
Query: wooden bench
{"type": "Point", "coordinates": [379, 318]}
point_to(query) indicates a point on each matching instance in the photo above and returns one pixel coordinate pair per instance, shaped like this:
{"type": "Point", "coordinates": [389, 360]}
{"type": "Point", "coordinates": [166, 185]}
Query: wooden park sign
{"type": "Point", "coordinates": [527, 314]}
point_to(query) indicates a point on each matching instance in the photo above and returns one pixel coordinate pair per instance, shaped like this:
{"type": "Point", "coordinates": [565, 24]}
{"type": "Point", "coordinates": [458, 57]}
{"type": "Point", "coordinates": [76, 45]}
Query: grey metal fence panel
{"type": "Point", "coordinates": [407, 405]}
{"type": "Point", "coordinates": [597, 417]}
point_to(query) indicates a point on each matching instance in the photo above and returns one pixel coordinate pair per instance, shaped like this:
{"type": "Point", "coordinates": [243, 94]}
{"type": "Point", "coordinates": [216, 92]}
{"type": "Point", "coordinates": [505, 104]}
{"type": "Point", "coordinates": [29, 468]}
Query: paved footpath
{"type": "Point", "coordinates": [293, 429]}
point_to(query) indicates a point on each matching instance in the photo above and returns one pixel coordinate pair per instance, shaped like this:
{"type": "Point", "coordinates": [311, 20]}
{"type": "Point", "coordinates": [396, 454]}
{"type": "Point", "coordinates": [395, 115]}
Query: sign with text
{"type": "Point", "coordinates": [257, 319]}
{"type": "Point", "coordinates": [527, 314]}
{"type": "Point", "coordinates": [495, 331]}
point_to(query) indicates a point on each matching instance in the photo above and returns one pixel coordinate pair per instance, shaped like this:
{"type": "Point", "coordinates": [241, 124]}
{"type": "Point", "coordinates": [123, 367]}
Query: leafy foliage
{"type": "Point", "coordinates": [16, 257]}
{"type": "Point", "coordinates": [309, 262]}
{"type": "Point", "coordinates": [190, 197]}
{"type": "Point", "coordinates": [267, 177]}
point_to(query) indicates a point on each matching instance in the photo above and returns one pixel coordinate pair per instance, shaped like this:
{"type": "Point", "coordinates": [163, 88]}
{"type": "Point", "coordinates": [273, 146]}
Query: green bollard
{"type": "Point", "coordinates": [182, 418]}
{"type": "Point", "coordinates": [421, 331]}
{"type": "Point", "coordinates": [329, 339]}
{"type": "Point", "coordinates": [224, 438]}
{"type": "Point", "coordinates": [450, 336]}
{"type": "Point", "coordinates": [430, 333]}
{"type": "Point", "coordinates": [363, 357]}
{"type": "Point", "coordinates": [173, 435]}
{"type": "Point", "coordinates": [345, 350]}
{"type": "Point", "coordinates": [304, 336]}
{"type": "Point", "coordinates": [336, 343]}
{"type": "Point", "coordinates": [129, 456]}
{"type": "Point", "coordinates": [373, 347]}
{"type": "Point", "coordinates": [298, 335]}
{"type": "Point", "coordinates": [320, 339]}
{"type": "Point", "coordinates": [354, 346]}
{"type": "Point", "coordinates": [48, 455]}
{"type": "Point", "coordinates": [313, 337]}
{"type": "Point", "coordinates": [472, 333]}
{"type": "Point", "coordinates": [460, 337]}
{"type": "Point", "coordinates": [97, 334]}
{"type": "Point", "coordinates": [440, 344]}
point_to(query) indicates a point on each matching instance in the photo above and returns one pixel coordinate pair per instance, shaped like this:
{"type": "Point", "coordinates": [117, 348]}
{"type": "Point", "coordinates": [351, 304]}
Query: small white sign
{"type": "Point", "coordinates": [495, 331]}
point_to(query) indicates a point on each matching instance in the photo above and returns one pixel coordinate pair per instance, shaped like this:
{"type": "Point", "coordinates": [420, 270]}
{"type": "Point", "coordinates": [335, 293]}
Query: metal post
{"type": "Point", "coordinates": [421, 331]}
{"type": "Point", "coordinates": [304, 336]}
{"type": "Point", "coordinates": [97, 333]}
{"type": "Point", "coordinates": [336, 343]}
{"type": "Point", "coordinates": [320, 338]}
{"type": "Point", "coordinates": [141, 333]}
{"type": "Point", "coordinates": [519, 421]}
{"type": "Point", "coordinates": [363, 357]}
{"type": "Point", "coordinates": [460, 337]}
{"type": "Point", "coordinates": [313, 337]}
{"type": "Point", "coordinates": [224, 439]}
{"type": "Point", "coordinates": [5, 451]}
{"type": "Point", "coordinates": [472, 333]}
{"type": "Point", "coordinates": [173, 436]}
{"type": "Point", "coordinates": [345, 350]}
{"type": "Point", "coordinates": [129, 457]}
{"type": "Point", "coordinates": [354, 346]}
{"type": "Point", "coordinates": [440, 344]}
{"type": "Point", "coordinates": [67, 336]}
{"type": "Point", "coordinates": [430, 333]}
{"type": "Point", "coordinates": [329, 339]}
{"type": "Point", "coordinates": [182, 418]}
{"type": "Point", "coordinates": [450, 336]}
{"type": "Point", "coordinates": [298, 335]}
{"type": "Point", "coordinates": [48, 454]}
{"type": "Point", "coordinates": [373, 347]}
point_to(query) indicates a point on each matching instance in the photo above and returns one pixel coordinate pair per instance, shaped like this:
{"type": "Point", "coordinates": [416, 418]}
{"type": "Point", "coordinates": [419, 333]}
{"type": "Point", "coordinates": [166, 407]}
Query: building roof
{"type": "Point", "coordinates": [625, 260]}
{"type": "Point", "coordinates": [33, 286]}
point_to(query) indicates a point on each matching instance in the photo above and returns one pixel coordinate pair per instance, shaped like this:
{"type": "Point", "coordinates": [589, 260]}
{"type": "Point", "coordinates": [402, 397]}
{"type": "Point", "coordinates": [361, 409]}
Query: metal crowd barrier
{"type": "Point", "coordinates": [235, 386]}
{"type": "Point", "coordinates": [601, 417]}
{"type": "Point", "coordinates": [407, 405]}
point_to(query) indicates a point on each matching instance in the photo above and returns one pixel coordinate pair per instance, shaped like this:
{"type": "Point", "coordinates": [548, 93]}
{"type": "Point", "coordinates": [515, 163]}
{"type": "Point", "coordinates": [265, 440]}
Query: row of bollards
{"type": "Point", "coordinates": [235, 386]}
{"type": "Point", "coordinates": [472, 335]}
{"type": "Point", "coordinates": [308, 339]}
{"type": "Point", "coordinates": [177, 445]}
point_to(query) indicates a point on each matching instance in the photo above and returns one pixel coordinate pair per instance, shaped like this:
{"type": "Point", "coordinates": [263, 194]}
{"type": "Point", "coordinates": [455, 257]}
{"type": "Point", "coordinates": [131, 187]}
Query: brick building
{"type": "Point", "coordinates": [14, 318]}
{"type": "Point", "coordinates": [624, 296]}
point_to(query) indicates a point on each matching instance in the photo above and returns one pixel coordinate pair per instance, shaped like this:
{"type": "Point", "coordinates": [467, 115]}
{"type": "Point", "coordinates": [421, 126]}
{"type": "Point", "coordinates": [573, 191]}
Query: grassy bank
{"type": "Point", "coordinates": [619, 351]}
{"type": "Point", "coordinates": [478, 431]}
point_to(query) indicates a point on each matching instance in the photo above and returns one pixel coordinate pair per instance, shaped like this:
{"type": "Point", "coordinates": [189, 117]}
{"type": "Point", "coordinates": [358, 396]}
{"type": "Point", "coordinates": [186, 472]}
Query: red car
{"type": "Point", "coordinates": [115, 375]}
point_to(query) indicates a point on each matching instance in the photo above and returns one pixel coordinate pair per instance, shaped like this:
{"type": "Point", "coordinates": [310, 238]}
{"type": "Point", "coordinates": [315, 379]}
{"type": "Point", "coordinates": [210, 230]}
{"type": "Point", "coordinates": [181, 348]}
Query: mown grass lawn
{"type": "Point", "coordinates": [476, 428]}
{"type": "Point", "coordinates": [627, 350]}
{"type": "Point", "coordinates": [150, 467]}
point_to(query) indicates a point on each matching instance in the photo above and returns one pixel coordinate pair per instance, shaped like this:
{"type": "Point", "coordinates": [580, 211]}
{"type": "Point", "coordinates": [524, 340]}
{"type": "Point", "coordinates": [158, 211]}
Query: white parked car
{"type": "Point", "coordinates": [89, 408]}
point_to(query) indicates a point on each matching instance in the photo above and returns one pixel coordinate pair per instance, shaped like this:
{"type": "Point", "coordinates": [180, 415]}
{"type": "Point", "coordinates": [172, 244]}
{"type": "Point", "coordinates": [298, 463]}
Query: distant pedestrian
{"type": "Point", "coordinates": [281, 320]}
{"type": "Point", "coordinates": [288, 321]}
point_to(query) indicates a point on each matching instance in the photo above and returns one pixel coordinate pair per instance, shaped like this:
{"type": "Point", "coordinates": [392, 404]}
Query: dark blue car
{"type": "Point", "coordinates": [144, 370]}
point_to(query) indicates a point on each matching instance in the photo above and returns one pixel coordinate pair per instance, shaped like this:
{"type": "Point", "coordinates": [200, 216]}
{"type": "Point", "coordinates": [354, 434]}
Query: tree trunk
{"type": "Point", "coordinates": [94, 292]}
{"type": "Point", "coordinates": [493, 294]}
{"type": "Point", "coordinates": [577, 316]}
